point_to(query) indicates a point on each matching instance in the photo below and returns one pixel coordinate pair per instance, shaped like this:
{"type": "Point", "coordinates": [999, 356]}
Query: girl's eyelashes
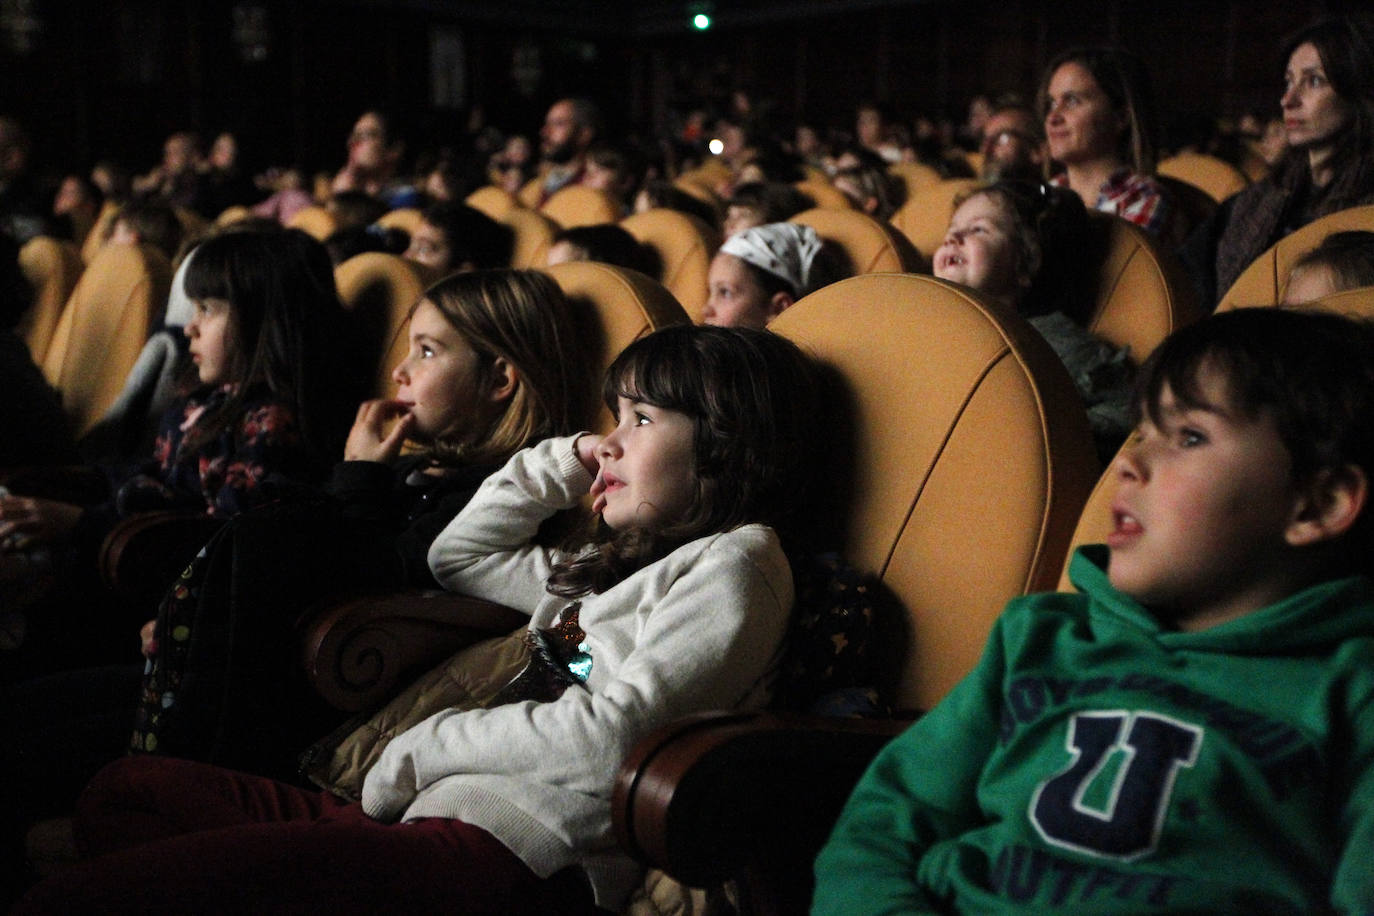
{"type": "Point", "coordinates": [641, 419]}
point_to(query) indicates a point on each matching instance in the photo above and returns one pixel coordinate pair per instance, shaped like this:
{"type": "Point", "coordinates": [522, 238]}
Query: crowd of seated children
{"type": "Point", "coordinates": [1099, 119]}
{"type": "Point", "coordinates": [760, 272]}
{"type": "Point", "coordinates": [264, 405]}
{"type": "Point", "coordinates": [1328, 112]}
{"type": "Point", "coordinates": [492, 368]}
{"type": "Point", "coordinates": [507, 808]}
{"type": "Point", "coordinates": [1032, 247]}
{"type": "Point", "coordinates": [1343, 261]}
{"type": "Point", "coordinates": [1193, 728]}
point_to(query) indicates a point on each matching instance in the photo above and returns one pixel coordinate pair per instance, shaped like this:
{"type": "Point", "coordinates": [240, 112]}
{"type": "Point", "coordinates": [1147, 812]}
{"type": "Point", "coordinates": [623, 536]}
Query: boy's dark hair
{"type": "Point", "coordinates": [610, 244]}
{"type": "Point", "coordinates": [752, 398]}
{"type": "Point", "coordinates": [775, 201]}
{"type": "Point", "coordinates": [355, 208]}
{"type": "Point", "coordinates": [16, 294]}
{"type": "Point", "coordinates": [356, 240]}
{"type": "Point", "coordinates": [473, 237]}
{"type": "Point", "coordinates": [1313, 372]}
{"type": "Point", "coordinates": [662, 193]}
{"type": "Point", "coordinates": [1348, 255]}
{"type": "Point", "coordinates": [156, 223]}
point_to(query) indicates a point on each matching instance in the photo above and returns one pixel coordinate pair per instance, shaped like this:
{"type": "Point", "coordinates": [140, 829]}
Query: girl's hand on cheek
{"type": "Point", "coordinates": [586, 453]}
{"type": "Point", "coordinates": [369, 439]}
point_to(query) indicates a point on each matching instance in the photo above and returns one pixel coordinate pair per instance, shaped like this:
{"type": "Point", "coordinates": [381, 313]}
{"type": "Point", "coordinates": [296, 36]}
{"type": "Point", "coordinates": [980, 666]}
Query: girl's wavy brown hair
{"type": "Point", "coordinates": [751, 396]}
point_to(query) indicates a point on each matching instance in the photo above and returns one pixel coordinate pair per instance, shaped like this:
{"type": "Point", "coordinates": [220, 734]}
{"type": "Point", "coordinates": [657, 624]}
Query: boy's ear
{"type": "Point", "coordinates": [778, 304]}
{"type": "Point", "coordinates": [504, 379]}
{"type": "Point", "coordinates": [1329, 508]}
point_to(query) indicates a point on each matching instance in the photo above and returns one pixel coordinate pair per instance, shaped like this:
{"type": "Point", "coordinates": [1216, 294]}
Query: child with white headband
{"type": "Point", "coordinates": [761, 271]}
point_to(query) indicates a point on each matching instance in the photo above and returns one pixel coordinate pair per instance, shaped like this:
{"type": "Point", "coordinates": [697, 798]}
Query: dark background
{"type": "Point", "coordinates": [110, 80]}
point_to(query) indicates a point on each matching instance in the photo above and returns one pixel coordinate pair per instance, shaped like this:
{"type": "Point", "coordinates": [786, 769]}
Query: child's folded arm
{"type": "Point", "coordinates": [920, 789]}
{"type": "Point", "coordinates": [486, 551]}
{"type": "Point", "coordinates": [707, 644]}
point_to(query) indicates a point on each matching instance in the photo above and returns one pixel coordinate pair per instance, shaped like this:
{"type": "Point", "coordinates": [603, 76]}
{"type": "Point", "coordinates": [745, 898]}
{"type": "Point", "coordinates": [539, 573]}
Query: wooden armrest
{"type": "Point", "coordinates": [742, 796]}
{"type": "Point", "coordinates": [358, 653]}
{"type": "Point", "coordinates": [143, 554]}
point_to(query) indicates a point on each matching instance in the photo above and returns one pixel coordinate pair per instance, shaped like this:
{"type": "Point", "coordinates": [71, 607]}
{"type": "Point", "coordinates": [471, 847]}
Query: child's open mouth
{"type": "Point", "coordinates": [1125, 528]}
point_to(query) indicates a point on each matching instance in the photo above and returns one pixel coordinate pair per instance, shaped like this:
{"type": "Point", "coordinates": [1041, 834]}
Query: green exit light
{"type": "Point", "coordinates": [701, 21]}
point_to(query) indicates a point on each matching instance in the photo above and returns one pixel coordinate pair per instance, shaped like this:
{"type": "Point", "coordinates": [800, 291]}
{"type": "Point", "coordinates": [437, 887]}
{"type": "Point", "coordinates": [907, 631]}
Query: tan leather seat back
{"type": "Point", "coordinates": [378, 290]}
{"type": "Point", "coordinates": [914, 176]}
{"type": "Point", "coordinates": [576, 205]}
{"type": "Point", "coordinates": [1266, 279]}
{"type": "Point", "coordinates": [314, 221]}
{"type": "Point", "coordinates": [925, 216]}
{"type": "Point", "coordinates": [870, 246]}
{"type": "Point", "coordinates": [684, 246]}
{"type": "Point", "coordinates": [493, 201]}
{"type": "Point", "coordinates": [407, 219]}
{"type": "Point", "coordinates": [969, 454]}
{"type": "Point", "coordinates": [1143, 296]}
{"type": "Point", "coordinates": [1218, 178]}
{"type": "Point", "coordinates": [531, 235]}
{"type": "Point", "coordinates": [52, 267]}
{"type": "Point", "coordinates": [103, 328]}
{"type": "Point", "coordinates": [614, 308]}
{"type": "Point", "coordinates": [824, 195]}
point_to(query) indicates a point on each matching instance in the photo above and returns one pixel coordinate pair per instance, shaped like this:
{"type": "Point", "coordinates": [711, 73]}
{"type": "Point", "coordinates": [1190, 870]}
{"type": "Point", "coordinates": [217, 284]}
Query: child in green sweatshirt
{"type": "Point", "coordinates": [1193, 729]}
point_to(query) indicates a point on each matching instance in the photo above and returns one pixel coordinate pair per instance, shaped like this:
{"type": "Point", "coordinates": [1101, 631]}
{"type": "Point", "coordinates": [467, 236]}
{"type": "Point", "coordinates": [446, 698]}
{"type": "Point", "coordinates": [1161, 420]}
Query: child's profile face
{"type": "Point", "coordinates": [1205, 501]}
{"type": "Point", "coordinates": [441, 377]}
{"type": "Point", "coordinates": [978, 250]}
{"type": "Point", "coordinates": [648, 467]}
{"type": "Point", "coordinates": [210, 332]}
{"type": "Point", "coordinates": [735, 300]}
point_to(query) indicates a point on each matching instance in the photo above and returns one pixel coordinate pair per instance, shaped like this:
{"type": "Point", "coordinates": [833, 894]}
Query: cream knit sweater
{"type": "Point", "coordinates": [700, 629]}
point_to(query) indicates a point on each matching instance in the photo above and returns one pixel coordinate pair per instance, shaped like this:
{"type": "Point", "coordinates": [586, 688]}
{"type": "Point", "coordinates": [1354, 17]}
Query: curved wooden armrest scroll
{"type": "Point", "coordinates": [360, 652]}
{"type": "Point", "coordinates": [723, 796]}
{"type": "Point", "coordinates": [143, 554]}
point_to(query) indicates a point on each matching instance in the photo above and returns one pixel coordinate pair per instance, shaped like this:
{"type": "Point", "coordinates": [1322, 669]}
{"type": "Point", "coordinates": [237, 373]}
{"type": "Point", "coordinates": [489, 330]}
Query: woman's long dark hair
{"type": "Point", "coordinates": [1345, 45]}
{"type": "Point", "coordinates": [752, 398]}
{"type": "Point", "coordinates": [287, 335]}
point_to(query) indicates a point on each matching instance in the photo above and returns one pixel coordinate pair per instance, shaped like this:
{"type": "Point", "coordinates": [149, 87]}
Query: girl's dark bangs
{"type": "Point", "coordinates": [208, 275]}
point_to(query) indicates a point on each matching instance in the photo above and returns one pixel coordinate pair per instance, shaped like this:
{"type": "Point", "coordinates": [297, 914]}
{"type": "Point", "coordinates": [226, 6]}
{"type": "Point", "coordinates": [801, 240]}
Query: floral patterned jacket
{"type": "Point", "coordinates": [238, 469]}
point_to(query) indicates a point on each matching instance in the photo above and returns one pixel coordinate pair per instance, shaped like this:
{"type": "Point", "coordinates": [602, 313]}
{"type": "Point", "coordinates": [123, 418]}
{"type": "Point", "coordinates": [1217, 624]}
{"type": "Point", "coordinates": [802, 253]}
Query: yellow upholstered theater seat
{"type": "Point", "coordinates": [1266, 279]}
{"type": "Point", "coordinates": [685, 246]}
{"type": "Point", "coordinates": [52, 267]}
{"type": "Point", "coordinates": [871, 246]}
{"type": "Point", "coordinates": [103, 328]}
{"type": "Point", "coordinates": [924, 218]}
{"type": "Point", "coordinates": [615, 308]}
